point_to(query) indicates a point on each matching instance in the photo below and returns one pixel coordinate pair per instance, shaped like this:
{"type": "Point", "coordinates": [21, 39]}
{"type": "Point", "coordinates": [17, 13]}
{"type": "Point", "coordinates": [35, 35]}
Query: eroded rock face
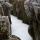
{"type": "Point", "coordinates": [1, 13]}
{"type": "Point", "coordinates": [4, 27]}
{"type": "Point", "coordinates": [35, 23]}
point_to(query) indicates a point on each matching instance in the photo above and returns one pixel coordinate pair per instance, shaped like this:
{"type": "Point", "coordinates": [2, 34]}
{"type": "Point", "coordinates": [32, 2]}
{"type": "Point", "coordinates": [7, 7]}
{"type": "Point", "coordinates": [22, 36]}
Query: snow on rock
{"type": "Point", "coordinates": [20, 29]}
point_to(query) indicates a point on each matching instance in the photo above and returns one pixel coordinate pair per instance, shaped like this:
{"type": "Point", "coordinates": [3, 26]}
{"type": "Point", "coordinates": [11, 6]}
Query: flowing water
{"type": "Point", "coordinates": [20, 29]}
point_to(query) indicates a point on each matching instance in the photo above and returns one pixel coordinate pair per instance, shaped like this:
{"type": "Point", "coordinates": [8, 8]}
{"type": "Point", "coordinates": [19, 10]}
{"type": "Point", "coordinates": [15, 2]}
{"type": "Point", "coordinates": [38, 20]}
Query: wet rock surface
{"type": "Point", "coordinates": [13, 37]}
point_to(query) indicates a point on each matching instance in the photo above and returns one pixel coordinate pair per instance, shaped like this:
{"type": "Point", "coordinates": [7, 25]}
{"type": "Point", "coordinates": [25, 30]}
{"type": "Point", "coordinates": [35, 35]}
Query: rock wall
{"type": "Point", "coordinates": [20, 11]}
{"type": "Point", "coordinates": [35, 23]}
{"type": "Point", "coordinates": [4, 27]}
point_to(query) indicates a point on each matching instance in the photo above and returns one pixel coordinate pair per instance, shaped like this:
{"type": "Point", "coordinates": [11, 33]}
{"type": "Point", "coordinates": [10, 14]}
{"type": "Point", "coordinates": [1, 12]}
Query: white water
{"type": "Point", "coordinates": [20, 29]}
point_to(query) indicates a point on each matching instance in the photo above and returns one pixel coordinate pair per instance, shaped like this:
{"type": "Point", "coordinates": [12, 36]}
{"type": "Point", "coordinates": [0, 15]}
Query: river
{"type": "Point", "coordinates": [20, 29]}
